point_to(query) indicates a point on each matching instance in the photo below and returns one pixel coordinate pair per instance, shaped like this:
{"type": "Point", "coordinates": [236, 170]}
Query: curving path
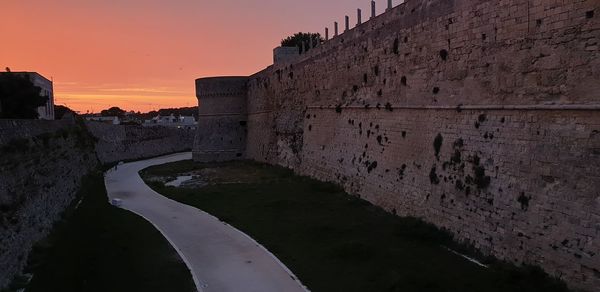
{"type": "Point", "coordinates": [220, 257]}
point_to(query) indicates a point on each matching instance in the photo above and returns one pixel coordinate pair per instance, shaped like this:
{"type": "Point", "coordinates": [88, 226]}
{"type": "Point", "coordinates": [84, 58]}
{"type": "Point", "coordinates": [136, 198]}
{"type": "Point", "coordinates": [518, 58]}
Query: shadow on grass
{"type": "Point", "coordinates": [337, 242]}
{"type": "Point", "coordinates": [99, 247]}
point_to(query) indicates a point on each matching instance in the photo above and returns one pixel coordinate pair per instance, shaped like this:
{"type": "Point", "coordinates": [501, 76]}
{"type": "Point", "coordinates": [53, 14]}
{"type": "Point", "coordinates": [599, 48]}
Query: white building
{"type": "Point", "coordinates": [107, 120]}
{"type": "Point", "coordinates": [181, 122]}
{"type": "Point", "coordinates": [45, 112]}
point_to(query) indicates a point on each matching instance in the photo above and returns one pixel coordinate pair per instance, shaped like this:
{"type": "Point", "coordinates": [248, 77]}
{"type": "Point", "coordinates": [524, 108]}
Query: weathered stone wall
{"type": "Point", "coordinates": [481, 116]}
{"type": "Point", "coordinates": [41, 166]}
{"type": "Point", "coordinates": [17, 129]}
{"type": "Point", "coordinates": [125, 142]}
{"type": "Point", "coordinates": [222, 119]}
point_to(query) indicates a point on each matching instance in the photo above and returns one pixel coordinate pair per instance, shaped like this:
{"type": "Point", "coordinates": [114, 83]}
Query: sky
{"type": "Point", "coordinates": [144, 55]}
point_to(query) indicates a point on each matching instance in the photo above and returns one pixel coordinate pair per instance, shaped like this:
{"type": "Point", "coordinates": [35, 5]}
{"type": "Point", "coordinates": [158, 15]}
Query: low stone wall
{"type": "Point", "coordinates": [41, 167]}
{"type": "Point", "coordinates": [124, 142]}
{"type": "Point", "coordinates": [17, 129]}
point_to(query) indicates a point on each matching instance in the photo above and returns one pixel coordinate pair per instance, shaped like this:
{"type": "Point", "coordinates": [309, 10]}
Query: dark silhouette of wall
{"type": "Point", "coordinates": [222, 119]}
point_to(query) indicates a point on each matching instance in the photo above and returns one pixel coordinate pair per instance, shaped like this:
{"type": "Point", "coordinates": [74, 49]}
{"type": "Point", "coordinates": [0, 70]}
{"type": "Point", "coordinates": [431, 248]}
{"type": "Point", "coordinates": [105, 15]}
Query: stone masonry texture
{"type": "Point", "coordinates": [480, 116]}
{"type": "Point", "coordinates": [41, 166]}
{"type": "Point", "coordinates": [129, 142]}
{"type": "Point", "coordinates": [222, 119]}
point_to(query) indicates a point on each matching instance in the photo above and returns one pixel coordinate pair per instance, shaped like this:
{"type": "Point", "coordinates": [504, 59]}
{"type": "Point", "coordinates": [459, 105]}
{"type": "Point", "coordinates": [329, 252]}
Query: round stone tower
{"type": "Point", "coordinates": [222, 119]}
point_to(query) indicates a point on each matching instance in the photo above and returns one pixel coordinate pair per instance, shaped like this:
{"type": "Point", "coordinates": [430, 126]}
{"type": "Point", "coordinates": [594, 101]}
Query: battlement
{"type": "Point", "coordinates": [221, 86]}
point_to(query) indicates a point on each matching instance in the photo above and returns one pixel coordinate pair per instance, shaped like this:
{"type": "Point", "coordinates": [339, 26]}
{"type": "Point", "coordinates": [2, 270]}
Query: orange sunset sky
{"type": "Point", "coordinates": [145, 54]}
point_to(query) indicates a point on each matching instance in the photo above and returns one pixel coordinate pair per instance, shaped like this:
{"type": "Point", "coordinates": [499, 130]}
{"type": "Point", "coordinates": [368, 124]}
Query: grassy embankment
{"type": "Point", "coordinates": [336, 242]}
{"type": "Point", "coordinates": [98, 247]}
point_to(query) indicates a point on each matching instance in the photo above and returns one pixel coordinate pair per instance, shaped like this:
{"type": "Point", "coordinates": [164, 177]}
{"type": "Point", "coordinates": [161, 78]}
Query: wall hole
{"type": "Point", "coordinates": [444, 54]}
{"type": "Point", "coordinates": [403, 80]}
{"type": "Point", "coordinates": [589, 14]}
{"type": "Point", "coordinates": [437, 144]}
{"type": "Point", "coordinates": [524, 201]}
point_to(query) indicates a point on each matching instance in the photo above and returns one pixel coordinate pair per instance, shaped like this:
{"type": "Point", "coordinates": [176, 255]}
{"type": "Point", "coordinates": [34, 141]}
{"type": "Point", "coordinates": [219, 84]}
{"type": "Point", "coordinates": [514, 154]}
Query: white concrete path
{"type": "Point", "coordinates": [220, 257]}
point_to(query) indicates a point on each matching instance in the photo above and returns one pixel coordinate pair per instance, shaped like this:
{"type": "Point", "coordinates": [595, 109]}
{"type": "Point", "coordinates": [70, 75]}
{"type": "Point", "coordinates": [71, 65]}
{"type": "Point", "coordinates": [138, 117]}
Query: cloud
{"type": "Point", "coordinates": [164, 90]}
{"type": "Point", "coordinates": [73, 88]}
{"type": "Point", "coordinates": [134, 96]}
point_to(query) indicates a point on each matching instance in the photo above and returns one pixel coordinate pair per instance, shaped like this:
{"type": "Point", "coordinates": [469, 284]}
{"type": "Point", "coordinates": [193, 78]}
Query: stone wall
{"type": "Point", "coordinates": [481, 116]}
{"type": "Point", "coordinates": [17, 129]}
{"type": "Point", "coordinates": [124, 142]}
{"type": "Point", "coordinates": [222, 119]}
{"type": "Point", "coordinates": [41, 166]}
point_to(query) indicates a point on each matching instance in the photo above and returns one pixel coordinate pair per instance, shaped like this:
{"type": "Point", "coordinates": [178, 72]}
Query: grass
{"type": "Point", "coordinates": [99, 247]}
{"type": "Point", "coordinates": [336, 242]}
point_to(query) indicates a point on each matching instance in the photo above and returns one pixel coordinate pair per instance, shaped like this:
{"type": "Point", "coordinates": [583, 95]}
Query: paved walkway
{"type": "Point", "coordinates": [220, 257]}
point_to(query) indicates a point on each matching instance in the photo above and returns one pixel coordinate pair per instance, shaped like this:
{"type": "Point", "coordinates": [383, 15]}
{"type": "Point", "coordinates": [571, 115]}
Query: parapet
{"type": "Point", "coordinates": [285, 54]}
{"type": "Point", "coordinates": [221, 86]}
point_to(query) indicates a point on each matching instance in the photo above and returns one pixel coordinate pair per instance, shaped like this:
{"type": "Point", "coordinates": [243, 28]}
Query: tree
{"type": "Point", "coordinates": [113, 112]}
{"type": "Point", "coordinates": [19, 97]}
{"type": "Point", "coordinates": [297, 39]}
{"type": "Point", "coordinates": [61, 110]}
{"type": "Point", "coordinates": [184, 111]}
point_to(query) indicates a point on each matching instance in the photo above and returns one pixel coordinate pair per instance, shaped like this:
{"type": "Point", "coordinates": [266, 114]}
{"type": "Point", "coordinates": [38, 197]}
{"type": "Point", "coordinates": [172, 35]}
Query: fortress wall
{"type": "Point", "coordinates": [222, 119]}
{"type": "Point", "coordinates": [514, 105]}
{"type": "Point", "coordinates": [18, 129]}
{"type": "Point", "coordinates": [523, 186]}
{"type": "Point", "coordinates": [127, 142]}
{"type": "Point", "coordinates": [41, 167]}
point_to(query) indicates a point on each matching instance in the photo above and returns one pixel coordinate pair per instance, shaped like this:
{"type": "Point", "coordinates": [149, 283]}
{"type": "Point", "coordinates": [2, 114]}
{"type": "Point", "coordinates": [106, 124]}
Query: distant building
{"type": "Point", "coordinates": [181, 122]}
{"type": "Point", "coordinates": [45, 112]}
{"type": "Point", "coordinates": [107, 120]}
{"type": "Point", "coordinates": [285, 54]}
{"type": "Point", "coordinates": [131, 118]}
